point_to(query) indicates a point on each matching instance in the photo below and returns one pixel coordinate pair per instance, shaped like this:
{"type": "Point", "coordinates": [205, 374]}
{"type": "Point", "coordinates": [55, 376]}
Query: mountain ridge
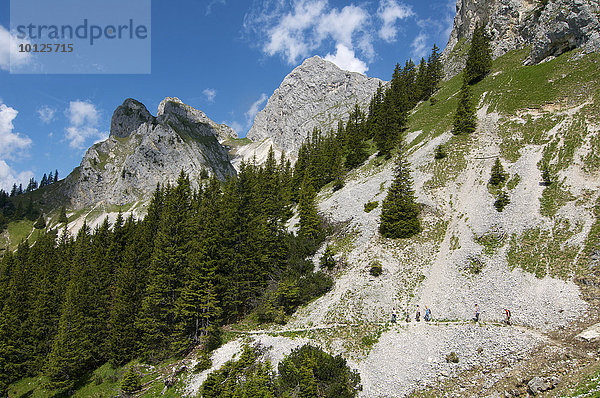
{"type": "Point", "coordinates": [549, 27]}
{"type": "Point", "coordinates": [316, 94]}
{"type": "Point", "coordinates": [143, 151]}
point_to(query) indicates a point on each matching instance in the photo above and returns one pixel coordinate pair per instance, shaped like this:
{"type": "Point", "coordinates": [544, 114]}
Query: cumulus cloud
{"type": "Point", "coordinates": [9, 51]}
{"type": "Point", "coordinates": [210, 94]}
{"type": "Point", "coordinates": [307, 26]}
{"type": "Point", "coordinates": [390, 12]}
{"type": "Point", "coordinates": [345, 59]}
{"type": "Point", "coordinates": [11, 144]}
{"type": "Point", "coordinates": [83, 124]}
{"type": "Point", "coordinates": [342, 25]}
{"type": "Point", "coordinates": [419, 46]}
{"type": "Point", "coordinates": [254, 108]}
{"type": "Point", "coordinates": [8, 176]}
{"type": "Point", "coordinates": [10, 141]}
{"type": "Point", "coordinates": [46, 114]}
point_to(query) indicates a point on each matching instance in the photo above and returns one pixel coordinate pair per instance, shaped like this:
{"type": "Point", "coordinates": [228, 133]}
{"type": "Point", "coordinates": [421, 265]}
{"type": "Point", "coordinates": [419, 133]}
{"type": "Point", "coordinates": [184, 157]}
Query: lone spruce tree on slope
{"type": "Point", "coordinates": [400, 212]}
{"type": "Point", "coordinates": [310, 224]}
{"type": "Point", "coordinates": [465, 119]}
{"type": "Point", "coordinates": [479, 61]}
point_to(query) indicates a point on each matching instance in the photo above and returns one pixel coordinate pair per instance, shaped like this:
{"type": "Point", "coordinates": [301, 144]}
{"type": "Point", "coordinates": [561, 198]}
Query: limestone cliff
{"type": "Point", "coordinates": [549, 28]}
{"type": "Point", "coordinates": [144, 150]}
{"type": "Point", "coordinates": [315, 94]}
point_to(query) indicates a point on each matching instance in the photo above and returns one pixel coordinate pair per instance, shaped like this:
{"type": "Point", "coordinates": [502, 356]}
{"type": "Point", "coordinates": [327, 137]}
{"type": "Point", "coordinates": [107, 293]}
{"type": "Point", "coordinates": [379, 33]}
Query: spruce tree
{"type": "Point", "coordinates": [479, 60]}
{"type": "Point", "coordinates": [356, 151]}
{"type": "Point", "coordinates": [498, 174]}
{"type": "Point", "coordinates": [422, 81]}
{"type": "Point", "coordinates": [400, 212]}
{"type": "Point", "coordinates": [40, 223]}
{"type": "Point", "coordinates": [73, 352]}
{"type": "Point", "coordinates": [435, 71]}
{"type": "Point", "coordinates": [465, 119]}
{"type": "Point", "coordinates": [310, 223]}
{"type": "Point", "coordinates": [169, 258]}
{"type": "Point", "coordinates": [62, 217]}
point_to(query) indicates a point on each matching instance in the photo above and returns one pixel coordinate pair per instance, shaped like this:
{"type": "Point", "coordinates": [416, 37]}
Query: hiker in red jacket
{"type": "Point", "coordinates": [507, 313]}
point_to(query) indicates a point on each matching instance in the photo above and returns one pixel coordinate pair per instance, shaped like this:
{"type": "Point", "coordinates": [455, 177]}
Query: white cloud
{"type": "Point", "coordinates": [389, 12]}
{"type": "Point", "coordinates": [254, 108]}
{"type": "Point", "coordinates": [83, 124]}
{"type": "Point", "coordinates": [11, 143]}
{"type": "Point", "coordinates": [345, 59]}
{"type": "Point", "coordinates": [9, 140]}
{"type": "Point", "coordinates": [8, 176]}
{"type": "Point", "coordinates": [9, 51]}
{"type": "Point", "coordinates": [46, 114]}
{"type": "Point", "coordinates": [419, 46]}
{"type": "Point", "coordinates": [309, 25]}
{"type": "Point", "coordinates": [210, 94]}
{"type": "Point", "coordinates": [293, 36]}
{"type": "Point", "coordinates": [342, 25]}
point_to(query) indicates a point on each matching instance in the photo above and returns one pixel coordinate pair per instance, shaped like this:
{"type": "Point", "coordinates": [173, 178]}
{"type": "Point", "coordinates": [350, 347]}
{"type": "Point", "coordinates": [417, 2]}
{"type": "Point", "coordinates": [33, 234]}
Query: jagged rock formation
{"type": "Point", "coordinates": [144, 150]}
{"type": "Point", "coordinates": [549, 27]}
{"type": "Point", "coordinates": [315, 94]}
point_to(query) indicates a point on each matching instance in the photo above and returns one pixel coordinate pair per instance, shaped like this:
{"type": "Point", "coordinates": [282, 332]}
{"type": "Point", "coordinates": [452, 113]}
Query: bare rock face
{"type": "Point", "coordinates": [173, 110]}
{"type": "Point", "coordinates": [549, 29]}
{"type": "Point", "coordinates": [128, 117]}
{"type": "Point", "coordinates": [315, 94]}
{"type": "Point", "coordinates": [144, 150]}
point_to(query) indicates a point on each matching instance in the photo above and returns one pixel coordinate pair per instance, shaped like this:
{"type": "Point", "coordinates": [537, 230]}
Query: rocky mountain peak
{"type": "Point", "coordinates": [128, 117]}
{"type": "Point", "coordinates": [548, 27]}
{"type": "Point", "coordinates": [173, 110]}
{"type": "Point", "coordinates": [151, 150]}
{"type": "Point", "coordinates": [315, 94]}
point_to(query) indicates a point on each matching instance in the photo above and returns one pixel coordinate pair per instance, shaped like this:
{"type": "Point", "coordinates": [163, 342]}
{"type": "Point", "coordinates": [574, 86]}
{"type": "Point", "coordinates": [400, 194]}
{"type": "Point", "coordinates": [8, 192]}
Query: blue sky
{"type": "Point", "coordinates": [223, 57]}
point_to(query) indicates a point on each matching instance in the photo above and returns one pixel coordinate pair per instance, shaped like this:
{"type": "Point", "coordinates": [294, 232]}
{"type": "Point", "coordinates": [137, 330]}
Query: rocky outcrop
{"type": "Point", "coordinates": [548, 27]}
{"type": "Point", "coordinates": [173, 110]}
{"type": "Point", "coordinates": [143, 150]}
{"type": "Point", "coordinates": [128, 117]}
{"type": "Point", "coordinates": [315, 94]}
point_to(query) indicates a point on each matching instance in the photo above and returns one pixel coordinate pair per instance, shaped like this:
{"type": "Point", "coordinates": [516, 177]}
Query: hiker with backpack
{"type": "Point", "coordinates": [507, 314]}
{"type": "Point", "coordinates": [418, 314]}
{"type": "Point", "coordinates": [476, 319]}
{"type": "Point", "coordinates": [427, 316]}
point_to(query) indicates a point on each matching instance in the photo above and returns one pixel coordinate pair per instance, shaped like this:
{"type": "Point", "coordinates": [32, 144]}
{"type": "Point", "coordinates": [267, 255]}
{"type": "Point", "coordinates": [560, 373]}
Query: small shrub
{"type": "Point", "coordinates": [440, 152]}
{"type": "Point", "coordinates": [204, 362]}
{"type": "Point", "coordinates": [376, 268]}
{"type": "Point", "coordinates": [337, 185]}
{"type": "Point", "coordinates": [474, 265]}
{"type": "Point", "coordinates": [131, 382]}
{"type": "Point", "coordinates": [40, 223]}
{"type": "Point", "coordinates": [327, 261]}
{"type": "Point", "coordinates": [432, 101]}
{"type": "Point", "coordinates": [502, 201]}
{"type": "Point", "coordinates": [311, 372]}
{"type": "Point", "coordinates": [370, 206]}
{"type": "Point", "coordinates": [452, 357]}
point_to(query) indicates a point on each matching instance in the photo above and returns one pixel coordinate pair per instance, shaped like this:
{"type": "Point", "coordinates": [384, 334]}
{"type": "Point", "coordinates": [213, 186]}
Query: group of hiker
{"type": "Point", "coordinates": [427, 315]}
